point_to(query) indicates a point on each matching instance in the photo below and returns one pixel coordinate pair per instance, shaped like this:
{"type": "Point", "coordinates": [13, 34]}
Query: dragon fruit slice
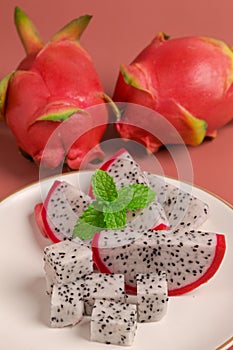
{"type": "Point", "coordinates": [125, 170]}
{"type": "Point", "coordinates": [152, 296]}
{"type": "Point", "coordinates": [67, 305]}
{"type": "Point", "coordinates": [190, 258]}
{"type": "Point", "coordinates": [152, 217]}
{"type": "Point", "coordinates": [187, 80]}
{"type": "Point", "coordinates": [59, 213]}
{"type": "Point", "coordinates": [103, 286]}
{"type": "Point", "coordinates": [66, 261]}
{"type": "Point", "coordinates": [55, 82]}
{"type": "Point", "coordinates": [182, 209]}
{"type": "Point", "coordinates": [113, 322]}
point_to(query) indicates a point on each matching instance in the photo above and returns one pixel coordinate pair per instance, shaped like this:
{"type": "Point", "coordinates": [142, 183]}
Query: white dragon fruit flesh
{"type": "Point", "coordinates": [63, 205]}
{"type": "Point", "coordinates": [103, 286]}
{"type": "Point", "coordinates": [67, 305]}
{"type": "Point", "coordinates": [113, 322]}
{"type": "Point", "coordinates": [152, 296]}
{"type": "Point", "coordinates": [124, 169]}
{"type": "Point", "coordinates": [49, 278]}
{"type": "Point", "coordinates": [67, 261]}
{"type": "Point", "coordinates": [151, 217]}
{"type": "Point", "coordinates": [182, 209]}
{"type": "Point", "coordinates": [189, 258]}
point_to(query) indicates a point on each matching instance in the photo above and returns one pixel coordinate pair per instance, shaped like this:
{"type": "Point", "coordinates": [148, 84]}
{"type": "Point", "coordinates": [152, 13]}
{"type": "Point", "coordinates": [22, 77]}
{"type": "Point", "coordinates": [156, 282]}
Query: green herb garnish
{"type": "Point", "coordinates": [108, 211]}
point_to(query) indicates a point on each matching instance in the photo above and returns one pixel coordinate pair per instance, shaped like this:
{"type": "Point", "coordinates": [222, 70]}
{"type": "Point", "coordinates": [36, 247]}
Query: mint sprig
{"type": "Point", "coordinates": [108, 211]}
{"type": "Point", "coordinates": [103, 186]}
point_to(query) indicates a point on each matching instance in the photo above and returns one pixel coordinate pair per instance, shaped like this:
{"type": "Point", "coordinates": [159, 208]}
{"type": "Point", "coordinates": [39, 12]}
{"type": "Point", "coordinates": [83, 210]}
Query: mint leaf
{"type": "Point", "coordinates": [103, 186]}
{"type": "Point", "coordinates": [84, 230]}
{"type": "Point", "coordinates": [142, 197]}
{"type": "Point", "coordinates": [91, 221]}
{"type": "Point", "coordinates": [125, 196]}
{"type": "Point", "coordinates": [115, 220]}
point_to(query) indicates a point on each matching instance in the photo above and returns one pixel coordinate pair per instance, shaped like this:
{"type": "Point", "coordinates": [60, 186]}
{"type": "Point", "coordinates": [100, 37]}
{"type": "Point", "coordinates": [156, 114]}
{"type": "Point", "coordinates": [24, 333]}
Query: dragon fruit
{"type": "Point", "coordinates": [113, 322]}
{"type": "Point", "coordinates": [151, 297]}
{"type": "Point", "coordinates": [49, 278]}
{"type": "Point", "coordinates": [190, 258]}
{"type": "Point", "coordinates": [67, 305]}
{"type": "Point", "coordinates": [63, 205]}
{"type": "Point", "coordinates": [55, 82]}
{"type": "Point", "coordinates": [151, 217]}
{"type": "Point", "coordinates": [102, 286]}
{"type": "Point", "coordinates": [187, 80]}
{"type": "Point", "coordinates": [125, 170]}
{"type": "Point", "coordinates": [66, 261]}
{"type": "Point", "coordinates": [182, 209]}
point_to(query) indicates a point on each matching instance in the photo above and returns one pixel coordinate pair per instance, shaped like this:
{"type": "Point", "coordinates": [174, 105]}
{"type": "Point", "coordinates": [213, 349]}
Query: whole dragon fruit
{"type": "Point", "coordinates": [55, 82]}
{"type": "Point", "coordinates": [186, 80]}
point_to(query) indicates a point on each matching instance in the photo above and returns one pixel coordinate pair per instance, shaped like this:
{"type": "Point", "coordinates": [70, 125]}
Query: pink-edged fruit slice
{"type": "Point", "coordinates": [189, 259]}
{"type": "Point", "coordinates": [182, 208]}
{"type": "Point", "coordinates": [58, 214]}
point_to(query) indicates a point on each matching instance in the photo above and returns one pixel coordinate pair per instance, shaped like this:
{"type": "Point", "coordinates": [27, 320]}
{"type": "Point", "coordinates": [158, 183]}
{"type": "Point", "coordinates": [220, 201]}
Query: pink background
{"type": "Point", "coordinates": [116, 34]}
{"type": "Point", "coordinates": [118, 29]}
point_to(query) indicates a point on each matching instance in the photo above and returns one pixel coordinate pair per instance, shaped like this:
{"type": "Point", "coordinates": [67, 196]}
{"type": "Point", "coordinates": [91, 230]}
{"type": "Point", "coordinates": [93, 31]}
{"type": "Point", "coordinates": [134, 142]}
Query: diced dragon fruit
{"type": "Point", "coordinates": [67, 305]}
{"type": "Point", "coordinates": [103, 286]}
{"type": "Point", "coordinates": [113, 322]}
{"type": "Point", "coordinates": [67, 261]}
{"type": "Point", "coordinates": [152, 296]}
{"type": "Point", "coordinates": [49, 278]}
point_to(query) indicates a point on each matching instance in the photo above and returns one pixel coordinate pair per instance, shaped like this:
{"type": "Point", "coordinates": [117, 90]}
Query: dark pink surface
{"type": "Point", "coordinates": [116, 34]}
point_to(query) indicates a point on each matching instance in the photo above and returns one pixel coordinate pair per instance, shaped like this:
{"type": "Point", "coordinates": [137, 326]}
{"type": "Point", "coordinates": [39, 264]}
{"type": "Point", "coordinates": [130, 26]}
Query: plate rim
{"type": "Point", "coordinates": [47, 179]}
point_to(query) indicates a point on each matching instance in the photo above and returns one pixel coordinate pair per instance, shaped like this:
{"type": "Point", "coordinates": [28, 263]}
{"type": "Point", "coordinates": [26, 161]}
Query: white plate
{"type": "Point", "coordinates": [200, 320]}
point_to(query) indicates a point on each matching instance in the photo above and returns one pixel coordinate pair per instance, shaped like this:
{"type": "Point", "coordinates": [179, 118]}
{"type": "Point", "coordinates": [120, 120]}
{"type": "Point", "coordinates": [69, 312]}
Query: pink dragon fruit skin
{"type": "Point", "coordinates": [187, 80]}
{"type": "Point", "coordinates": [55, 82]}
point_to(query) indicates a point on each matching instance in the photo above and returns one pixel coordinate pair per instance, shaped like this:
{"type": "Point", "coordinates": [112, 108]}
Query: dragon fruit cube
{"type": "Point", "coordinates": [152, 296]}
{"type": "Point", "coordinates": [67, 261]}
{"type": "Point", "coordinates": [49, 279]}
{"type": "Point", "coordinates": [113, 322]}
{"type": "Point", "coordinates": [103, 286]}
{"type": "Point", "coordinates": [67, 305]}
